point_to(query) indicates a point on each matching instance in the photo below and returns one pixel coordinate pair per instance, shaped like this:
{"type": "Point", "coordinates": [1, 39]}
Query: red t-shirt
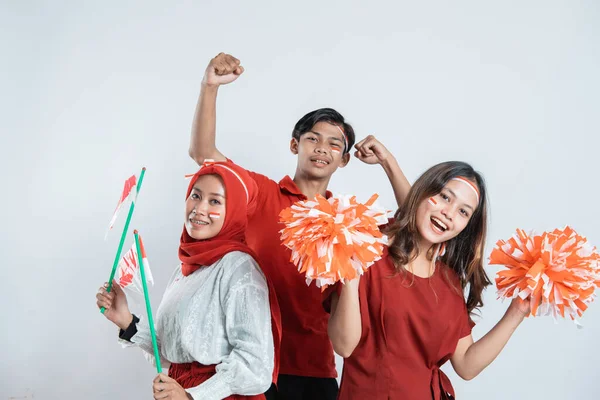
{"type": "Point", "coordinates": [305, 346]}
{"type": "Point", "coordinates": [410, 327]}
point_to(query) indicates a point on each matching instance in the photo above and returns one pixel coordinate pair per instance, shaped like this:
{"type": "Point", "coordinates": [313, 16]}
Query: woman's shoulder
{"type": "Point", "coordinates": [239, 259]}
{"type": "Point", "coordinates": [386, 261]}
{"type": "Point", "coordinates": [238, 265]}
{"type": "Point", "coordinates": [384, 266]}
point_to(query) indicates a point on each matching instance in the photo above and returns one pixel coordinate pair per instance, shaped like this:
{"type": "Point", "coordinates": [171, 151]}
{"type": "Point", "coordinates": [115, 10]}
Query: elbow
{"type": "Point", "coordinates": [344, 351]}
{"type": "Point", "coordinates": [344, 344]}
{"type": "Point", "coordinates": [467, 375]}
{"type": "Point", "coordinates": [344, 329]}
{"type": "Point", "coordinates": [265, 384]}
{"type": "Point", "coordinates": [200, 156]}
{"type": "Point", "coordinates": [194, 155]}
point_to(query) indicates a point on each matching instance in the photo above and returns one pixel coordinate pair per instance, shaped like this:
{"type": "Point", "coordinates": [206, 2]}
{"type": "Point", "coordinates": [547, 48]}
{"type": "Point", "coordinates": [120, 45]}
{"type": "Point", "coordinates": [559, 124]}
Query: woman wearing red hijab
{"type": "Point", "coordinates": [218, 325]}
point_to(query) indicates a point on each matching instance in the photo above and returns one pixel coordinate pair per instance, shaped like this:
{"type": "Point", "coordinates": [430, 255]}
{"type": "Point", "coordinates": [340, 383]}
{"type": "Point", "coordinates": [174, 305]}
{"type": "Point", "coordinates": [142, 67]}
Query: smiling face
{"type": "Point", "coordinates": [205, 208]}
{"type": "Point", "coordinates": [320, 151]}
{"type": "Point", "coordinates": [444, 216]}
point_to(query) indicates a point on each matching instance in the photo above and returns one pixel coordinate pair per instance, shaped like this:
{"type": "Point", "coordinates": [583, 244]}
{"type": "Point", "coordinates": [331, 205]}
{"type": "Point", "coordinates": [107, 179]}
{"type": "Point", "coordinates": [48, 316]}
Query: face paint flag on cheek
{"type": "Point", "coordinates": [214, 215]}
{"type": "Point", "coordinates": [432, 201]}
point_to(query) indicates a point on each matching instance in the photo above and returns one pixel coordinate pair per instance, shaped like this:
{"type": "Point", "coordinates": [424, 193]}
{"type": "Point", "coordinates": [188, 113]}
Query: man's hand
{"type": "Point", "coordinates": [221, 70]}
{"type": "Point", "coordinates": [371, 151]}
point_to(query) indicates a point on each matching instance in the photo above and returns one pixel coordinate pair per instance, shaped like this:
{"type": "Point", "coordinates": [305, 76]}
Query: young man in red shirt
{"type": "Point", "coordinates": [322, 140]}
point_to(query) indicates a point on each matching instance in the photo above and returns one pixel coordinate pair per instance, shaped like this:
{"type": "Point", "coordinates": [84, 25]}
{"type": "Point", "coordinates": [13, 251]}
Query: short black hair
{"type": "Point", "coordinates": [306, 123]}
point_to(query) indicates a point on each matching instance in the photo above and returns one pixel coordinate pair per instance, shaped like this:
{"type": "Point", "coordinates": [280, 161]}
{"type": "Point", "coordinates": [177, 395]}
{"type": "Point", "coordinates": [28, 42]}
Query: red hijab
{"type": "Point", "coordinates": [240, 202]}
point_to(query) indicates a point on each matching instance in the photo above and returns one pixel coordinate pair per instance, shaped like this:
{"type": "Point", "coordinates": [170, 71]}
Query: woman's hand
{"type": "Point", "coordinates": [164, 387]}
{"type": "Point", "coordinates": [519, 308]}
{"type": "Point", "coordinates": [115, 304]}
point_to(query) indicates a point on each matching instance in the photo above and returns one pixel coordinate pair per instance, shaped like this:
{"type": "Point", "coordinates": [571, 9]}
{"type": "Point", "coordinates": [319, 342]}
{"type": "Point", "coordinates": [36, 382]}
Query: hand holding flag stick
{"type": "Point", "coordinates": [125, 228]}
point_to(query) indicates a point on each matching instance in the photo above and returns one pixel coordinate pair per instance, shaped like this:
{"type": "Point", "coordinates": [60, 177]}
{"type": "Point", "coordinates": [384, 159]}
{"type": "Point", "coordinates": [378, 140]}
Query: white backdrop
{"type": "Point", "coordinates": [92, 91]}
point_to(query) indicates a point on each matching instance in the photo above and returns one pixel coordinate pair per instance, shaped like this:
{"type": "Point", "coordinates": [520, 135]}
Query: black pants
{"type": "Point", "coordinates": [292, 387]}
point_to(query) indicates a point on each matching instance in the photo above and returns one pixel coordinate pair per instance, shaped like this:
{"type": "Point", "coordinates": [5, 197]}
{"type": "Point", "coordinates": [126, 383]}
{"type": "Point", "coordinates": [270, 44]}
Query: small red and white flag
{"type": "Point", "coordinates": [129, 192]}
{"type": "Point", "coordinates": [128, 270]}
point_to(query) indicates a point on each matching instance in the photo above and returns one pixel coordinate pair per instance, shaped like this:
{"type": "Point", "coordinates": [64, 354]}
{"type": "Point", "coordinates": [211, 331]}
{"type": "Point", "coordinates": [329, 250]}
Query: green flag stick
{"type": "Point", "coordinates": [147, 298]}
{"type": "Point", "coordinates": [125, 228]}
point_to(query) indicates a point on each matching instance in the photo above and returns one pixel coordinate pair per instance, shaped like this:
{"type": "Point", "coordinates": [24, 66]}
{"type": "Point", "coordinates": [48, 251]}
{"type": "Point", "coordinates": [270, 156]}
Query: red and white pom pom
{"type": "Point", "coordinates": [333, 239]}
{"type": "Point", "coordinates": [556, 271]}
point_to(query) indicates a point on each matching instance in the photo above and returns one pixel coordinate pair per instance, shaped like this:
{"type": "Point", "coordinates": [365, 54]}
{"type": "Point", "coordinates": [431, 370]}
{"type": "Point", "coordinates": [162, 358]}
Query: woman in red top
{"type": "Point", "coordinates": [407, 315]}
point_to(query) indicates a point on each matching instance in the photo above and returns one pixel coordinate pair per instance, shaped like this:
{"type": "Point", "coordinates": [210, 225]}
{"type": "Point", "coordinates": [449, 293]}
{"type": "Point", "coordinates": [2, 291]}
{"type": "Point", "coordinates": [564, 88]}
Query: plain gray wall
{"type": "Point", "coordinates": [91, 92]}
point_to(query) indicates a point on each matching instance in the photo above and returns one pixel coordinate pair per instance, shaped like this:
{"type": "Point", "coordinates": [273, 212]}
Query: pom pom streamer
{"type": "Point", "coordinates": [333, 239]}
{"type": "Point", "coordinates": [556, 271]}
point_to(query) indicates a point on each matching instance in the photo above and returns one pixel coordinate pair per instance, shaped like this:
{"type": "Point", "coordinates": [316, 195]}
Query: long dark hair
{"type": "Point", "coordinates": [464, 253]}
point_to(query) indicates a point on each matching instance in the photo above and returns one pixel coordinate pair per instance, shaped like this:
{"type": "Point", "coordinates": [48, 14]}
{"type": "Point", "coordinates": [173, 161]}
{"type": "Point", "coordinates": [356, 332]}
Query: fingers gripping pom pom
{"type": "Point", "coordinates": [556, 271]}
{"type": "Point", "coordinates": [333, 239]}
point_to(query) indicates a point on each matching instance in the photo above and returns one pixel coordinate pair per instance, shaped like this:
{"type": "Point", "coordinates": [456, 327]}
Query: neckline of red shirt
{"type": "Point", "coordinates": [438, 264]}
{"type": "Point", "coordinates": [287, 184]}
